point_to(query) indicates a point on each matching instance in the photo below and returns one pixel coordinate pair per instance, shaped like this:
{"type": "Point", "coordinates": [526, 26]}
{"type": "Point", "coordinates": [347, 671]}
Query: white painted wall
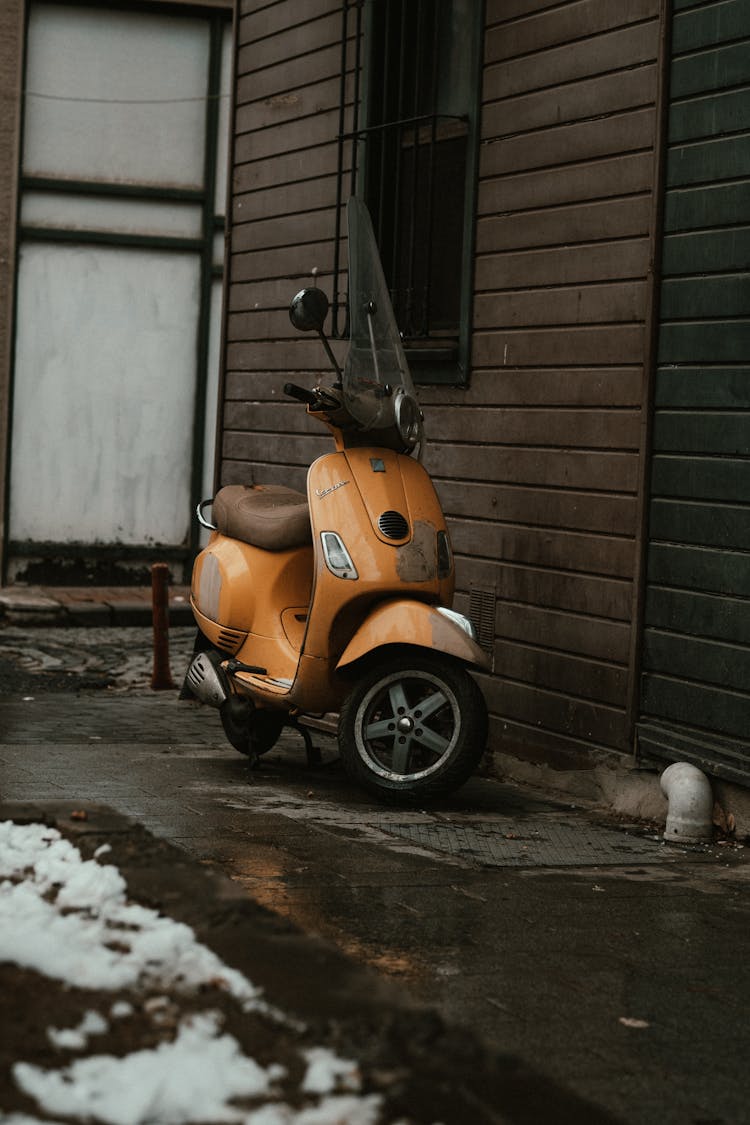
{"type": "Point", "coordinates": [104, 395]}
{"type": "Point", "coordinates": [115, 96]}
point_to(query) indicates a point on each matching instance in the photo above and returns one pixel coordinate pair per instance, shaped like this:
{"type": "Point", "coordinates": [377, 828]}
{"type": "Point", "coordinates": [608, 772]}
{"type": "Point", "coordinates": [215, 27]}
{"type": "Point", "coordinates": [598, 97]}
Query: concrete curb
{"type": "Point", "coordinates": [100, 607]}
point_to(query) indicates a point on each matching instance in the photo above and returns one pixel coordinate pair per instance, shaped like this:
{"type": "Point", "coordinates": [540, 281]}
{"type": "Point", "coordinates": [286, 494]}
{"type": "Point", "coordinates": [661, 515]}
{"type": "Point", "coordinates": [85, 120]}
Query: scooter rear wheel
{"type": "Point", "coordinates": [414, 727]}
{"type": "Point", "coordinates": [251, 730]}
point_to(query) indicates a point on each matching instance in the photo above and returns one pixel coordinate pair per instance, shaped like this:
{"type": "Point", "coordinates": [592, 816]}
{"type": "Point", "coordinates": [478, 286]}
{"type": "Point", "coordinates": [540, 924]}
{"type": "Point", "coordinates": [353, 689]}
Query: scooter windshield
{"type": "Point", "coordinates": [377, 387]}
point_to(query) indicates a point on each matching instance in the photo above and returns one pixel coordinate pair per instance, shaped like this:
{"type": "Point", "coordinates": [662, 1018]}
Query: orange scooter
{"type": "Point", "coordinates": [338, 601]}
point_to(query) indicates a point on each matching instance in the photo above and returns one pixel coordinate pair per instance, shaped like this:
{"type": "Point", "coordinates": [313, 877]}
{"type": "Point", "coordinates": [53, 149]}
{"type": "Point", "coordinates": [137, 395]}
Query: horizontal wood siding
{"type": "Point", "coordinates": [286, 125]}
{"type": "Point", "coordinates": [696, 687]}
{"type": "Point", "coordinates": [538, 468]}
{"type": "Point", "coordinates": [537, 458]}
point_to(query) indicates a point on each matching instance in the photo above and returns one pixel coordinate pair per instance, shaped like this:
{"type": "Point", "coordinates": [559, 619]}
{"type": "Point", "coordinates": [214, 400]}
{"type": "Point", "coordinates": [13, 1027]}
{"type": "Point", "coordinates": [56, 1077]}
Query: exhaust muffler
{"type": "Point", "coordinates": [207, 679]}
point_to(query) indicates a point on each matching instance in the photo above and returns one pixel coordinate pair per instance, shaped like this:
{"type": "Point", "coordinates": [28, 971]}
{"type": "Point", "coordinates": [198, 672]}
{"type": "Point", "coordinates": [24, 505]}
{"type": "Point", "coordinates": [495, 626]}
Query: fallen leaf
{"type": "Point", "coordinates": [628, 1021]}
{"type": "Point", "coordinates": [79, 814]}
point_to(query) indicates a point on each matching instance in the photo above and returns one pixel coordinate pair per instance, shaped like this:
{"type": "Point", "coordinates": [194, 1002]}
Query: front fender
{"type": "Point", "coordinates": [403, 621]}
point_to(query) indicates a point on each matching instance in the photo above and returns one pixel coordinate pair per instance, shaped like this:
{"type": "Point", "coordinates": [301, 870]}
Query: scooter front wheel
{"type": "Point", "coordinates": [414, 727]}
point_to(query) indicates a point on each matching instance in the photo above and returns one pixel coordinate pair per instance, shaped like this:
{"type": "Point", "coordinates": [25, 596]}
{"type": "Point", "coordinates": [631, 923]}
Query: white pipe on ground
{"type": "Point", "coordinates": [691, 803]}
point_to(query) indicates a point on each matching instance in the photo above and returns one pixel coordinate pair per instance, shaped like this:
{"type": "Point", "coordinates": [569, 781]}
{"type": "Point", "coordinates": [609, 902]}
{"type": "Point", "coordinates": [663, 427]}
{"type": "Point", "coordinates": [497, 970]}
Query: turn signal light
{"type": "Point", "coordinates": [338, 559]}
{"type": "Point", "coordinates": [444, 555]}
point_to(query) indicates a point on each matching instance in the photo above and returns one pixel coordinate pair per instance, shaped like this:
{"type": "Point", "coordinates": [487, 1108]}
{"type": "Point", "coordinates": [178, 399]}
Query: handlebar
{"type": "Point", "coordinates": [300, 393]}
{"type": "Point", "coordinates": [318, 399]}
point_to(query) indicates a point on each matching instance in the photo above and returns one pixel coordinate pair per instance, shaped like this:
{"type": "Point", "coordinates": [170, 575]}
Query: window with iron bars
{"type": "Point", "coordinates": [415, 166]}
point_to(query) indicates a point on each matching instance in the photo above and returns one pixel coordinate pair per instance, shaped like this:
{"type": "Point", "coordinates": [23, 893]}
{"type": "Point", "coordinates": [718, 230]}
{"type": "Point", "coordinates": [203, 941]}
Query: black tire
{"type": "Point", "coordinates": [251, 730]}
{"type": "Point", "coordinates": [396, 751]}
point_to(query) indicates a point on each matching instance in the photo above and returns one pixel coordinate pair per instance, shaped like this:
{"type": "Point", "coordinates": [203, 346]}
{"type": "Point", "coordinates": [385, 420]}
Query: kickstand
{"type": "Point", "coordinates": [314, 756]}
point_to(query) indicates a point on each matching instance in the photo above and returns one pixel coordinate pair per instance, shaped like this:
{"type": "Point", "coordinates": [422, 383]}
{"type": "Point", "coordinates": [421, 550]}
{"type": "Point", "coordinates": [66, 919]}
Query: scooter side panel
{"type": "Point", "coordinates": [227, 640]}
{"type": "Point", "coordinates": [246, 588]}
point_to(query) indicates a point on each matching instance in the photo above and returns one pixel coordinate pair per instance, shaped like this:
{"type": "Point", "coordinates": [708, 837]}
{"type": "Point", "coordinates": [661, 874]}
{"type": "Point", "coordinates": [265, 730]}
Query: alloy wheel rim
{"type": "Point", "coordinates": [407, 725]}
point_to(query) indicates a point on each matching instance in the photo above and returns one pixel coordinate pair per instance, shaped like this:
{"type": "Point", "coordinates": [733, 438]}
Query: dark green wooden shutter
{"type": "Point", "coordinates": [695, 696]}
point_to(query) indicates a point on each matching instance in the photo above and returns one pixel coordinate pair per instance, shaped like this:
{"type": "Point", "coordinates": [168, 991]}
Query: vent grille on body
{"type": "Point", "coordinates": [393, 525]}
{"type": "Point", "coordinates": [229, 641]}
{"type": "Point", "coordinates": [482, 609]}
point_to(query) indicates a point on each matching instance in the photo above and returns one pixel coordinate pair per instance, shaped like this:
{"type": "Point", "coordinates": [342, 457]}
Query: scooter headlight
{"type": "Point", "coordinates": [408, 418]}
{"type": "Point", "coordinates": [338, 559]}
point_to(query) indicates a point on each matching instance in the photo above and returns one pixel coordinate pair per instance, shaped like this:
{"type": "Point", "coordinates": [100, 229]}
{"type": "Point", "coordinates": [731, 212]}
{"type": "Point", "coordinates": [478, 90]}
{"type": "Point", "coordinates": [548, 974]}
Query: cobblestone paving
{"type": "Point", "coordinates": [60, 658]}
{"type": "Point", "coordinates": [506, 843]}
{"type": "Point", "coordinates": [107, 716]}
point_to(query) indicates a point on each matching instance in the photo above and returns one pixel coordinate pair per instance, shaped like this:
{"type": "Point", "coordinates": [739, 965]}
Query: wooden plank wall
{"type": "Point", "coordinates": [539, 466]}
{"type": "Point", "coordinates": [697, 641]}
{"type": "Point", "coordinates": [537, 461]}
{"type": "Point", "coordinates": [282, 229]}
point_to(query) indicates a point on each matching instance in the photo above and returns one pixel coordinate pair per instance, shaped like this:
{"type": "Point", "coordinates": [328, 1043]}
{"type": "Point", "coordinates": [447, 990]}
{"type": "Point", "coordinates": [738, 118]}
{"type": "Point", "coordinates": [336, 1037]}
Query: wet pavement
{"type": "Point", "coordinates": [611, 964]}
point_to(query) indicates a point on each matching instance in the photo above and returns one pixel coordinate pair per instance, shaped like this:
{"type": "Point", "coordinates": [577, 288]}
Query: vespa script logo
{"type": "Point", "coordinates": [321, 492]}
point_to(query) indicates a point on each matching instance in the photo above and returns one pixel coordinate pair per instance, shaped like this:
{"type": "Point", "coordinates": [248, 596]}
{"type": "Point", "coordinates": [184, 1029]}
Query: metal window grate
{"type": "Point", "coordinates": [409, 163]}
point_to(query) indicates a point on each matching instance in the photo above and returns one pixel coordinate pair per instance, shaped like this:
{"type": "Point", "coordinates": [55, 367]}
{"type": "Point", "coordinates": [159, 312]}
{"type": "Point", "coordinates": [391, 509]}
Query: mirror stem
{"type": "Point", "coordinates": [329, 352]}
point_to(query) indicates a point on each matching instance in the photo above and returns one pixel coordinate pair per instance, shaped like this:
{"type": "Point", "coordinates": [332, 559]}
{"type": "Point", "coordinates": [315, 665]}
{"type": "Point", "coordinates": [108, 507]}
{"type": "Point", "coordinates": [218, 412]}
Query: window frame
{"type": "Point", "coordinates": [219, 18]}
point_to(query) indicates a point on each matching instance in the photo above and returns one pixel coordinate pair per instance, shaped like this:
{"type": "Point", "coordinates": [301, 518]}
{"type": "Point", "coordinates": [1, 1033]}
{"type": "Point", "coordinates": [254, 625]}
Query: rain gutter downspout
{"type": "Point", "coordinates": [691, 803]}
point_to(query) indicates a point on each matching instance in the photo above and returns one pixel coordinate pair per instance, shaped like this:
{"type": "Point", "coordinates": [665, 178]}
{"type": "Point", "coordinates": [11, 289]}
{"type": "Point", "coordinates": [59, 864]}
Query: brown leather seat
{"type": "Point", "coordinates": [265, 515]}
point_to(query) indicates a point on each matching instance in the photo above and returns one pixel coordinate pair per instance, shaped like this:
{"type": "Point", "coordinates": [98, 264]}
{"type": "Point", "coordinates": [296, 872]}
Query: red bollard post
{"type": "Point", "coordinates": [161, 678]}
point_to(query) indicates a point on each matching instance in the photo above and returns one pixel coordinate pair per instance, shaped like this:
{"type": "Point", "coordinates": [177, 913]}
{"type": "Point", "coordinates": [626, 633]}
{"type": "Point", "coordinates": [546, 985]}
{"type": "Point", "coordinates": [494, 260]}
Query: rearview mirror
{"type": "Point", "coordinates": [308, 310]}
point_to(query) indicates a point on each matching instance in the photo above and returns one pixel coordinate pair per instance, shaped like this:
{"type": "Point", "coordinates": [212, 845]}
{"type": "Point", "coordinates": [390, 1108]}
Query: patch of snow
{"type": "Point", "coordinates": [327, 1072]}
{"type": "Point", "coordinates": [270, 1115]}
{"type": "Point", "coordinates": [70, 919]}
{"type": "Point", "coordinates": [24, 1119]}
{"type": "Point", "coordinates": [191, 1079]}
{"type": "Point", "coordinates": [76, 1038]}
{"type": "Point", "coordinates": [102, 941]}
{"type": "Point", "coordinates": [345, 1109]}
{"type": "Point", "coordinates": [340, 1110]}
{"type": "Point", "coordinates": [121, 1009]}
